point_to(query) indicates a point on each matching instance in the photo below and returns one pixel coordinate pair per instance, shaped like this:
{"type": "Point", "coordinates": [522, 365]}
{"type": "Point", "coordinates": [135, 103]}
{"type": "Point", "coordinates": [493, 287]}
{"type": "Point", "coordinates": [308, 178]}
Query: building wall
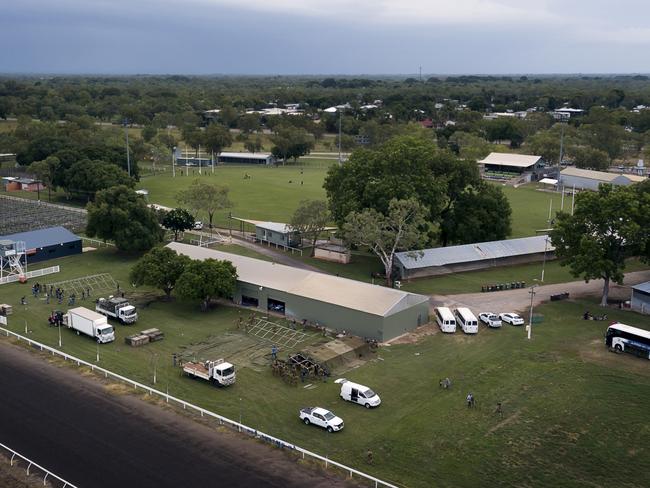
{"type": "Point", "coordinates": [580, 183]}
{"type": "Point", "coordinates": [54, 251]}
{"type": "Point", "coordinates": [237, 160]}
{"type": "Point", "coordinates": [334, 256]}
{"type": "Point", "coordinates": [277, 238]}
{"type": "Point", "coordinates": [640, 302]}
{"type": "Point", "coordinates": [335, 317]}
{"type": "Point", "coordinates": [406, 274]}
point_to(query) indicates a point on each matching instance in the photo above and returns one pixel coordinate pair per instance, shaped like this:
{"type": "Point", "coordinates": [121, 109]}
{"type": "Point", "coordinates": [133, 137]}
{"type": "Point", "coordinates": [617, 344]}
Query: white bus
{"type": "Point", "coordinates": [466, 319]}
{"type": "Point", "coordinates": [445, 320]}
{"type": "Point", "coordinates": [624, 338]}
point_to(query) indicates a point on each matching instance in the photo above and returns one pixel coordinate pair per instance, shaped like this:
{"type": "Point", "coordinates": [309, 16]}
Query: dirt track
{"type": "Point", "coordinates": [519, 300]}
{"type": "Point", "coordinates": [74, 426]}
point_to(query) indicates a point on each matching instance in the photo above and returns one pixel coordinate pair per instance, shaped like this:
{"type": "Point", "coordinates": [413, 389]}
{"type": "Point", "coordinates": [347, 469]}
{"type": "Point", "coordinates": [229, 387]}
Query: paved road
{"type": "Point", "coordinates": [519, 300]}
{"type": "Point", "coordinates": [71, 425]}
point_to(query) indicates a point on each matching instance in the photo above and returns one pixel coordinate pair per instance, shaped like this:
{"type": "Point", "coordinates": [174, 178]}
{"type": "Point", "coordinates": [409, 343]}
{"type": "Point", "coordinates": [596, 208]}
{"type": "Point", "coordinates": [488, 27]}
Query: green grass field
{"type": "Point", "coordinates": [574, 414]}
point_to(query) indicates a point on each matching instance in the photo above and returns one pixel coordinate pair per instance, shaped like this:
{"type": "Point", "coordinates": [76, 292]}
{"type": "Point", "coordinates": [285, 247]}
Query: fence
{"type": "Point", "coordinates": [47, 473]}
{"type": "Point", "coordinates": [202, 411]}
{"type": "Point", "coordinates": [97, 242]}
{"type": "Point", "coordinates": [30, 274]}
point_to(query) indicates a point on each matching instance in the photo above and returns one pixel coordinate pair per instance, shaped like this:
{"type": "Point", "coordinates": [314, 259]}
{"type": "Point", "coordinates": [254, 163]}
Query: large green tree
{"type": "Point", "coordinates": [216, 138]}
{"type": "Point", "coordinates": [206, 280]}
{"type": "Point", "coordinates": [480, 213]}
{"type": "Point", "coordinates": [291, 142]}
{"type": "Point", "coordinates": [205, 197]}
{"type": "Point", "coordinates": [121, 215]}
{"type": "Point", "coordinates": [310, 219]}
{"type": "Point", "coordinates": [161, 267]}
{"type": "Point", "coordinates": [86, 177]}
{"type": "Point", "coordinates": [45, 171]}
{"type": "Point", "coordinates": [604, 230]}
{"type": "Point", "coordinates": [178, 220]}
{"type": "Point", "coordinates": [589, 158]}
{"type": "Point", "coordinates": [385, 234]}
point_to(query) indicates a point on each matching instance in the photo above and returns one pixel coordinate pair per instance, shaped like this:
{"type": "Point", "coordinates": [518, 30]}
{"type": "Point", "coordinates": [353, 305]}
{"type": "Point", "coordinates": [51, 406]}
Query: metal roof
{"type": "Point", "coordinates": [590, 174]}
{"type": "Point", "coordinates": [244, 155]}
{"type": "Point", "coordinates": [51, 236]}
{"type": "Point", "coordinates": [352, 294]}
{"type": "Point", "coordinates": [444, 256]}
{"type": "Point", "coordinates": [642, 287]}
{"type": "Point", "coordinates": [275, 227]}
{"type": "Point", "coordinates": [509, 159]}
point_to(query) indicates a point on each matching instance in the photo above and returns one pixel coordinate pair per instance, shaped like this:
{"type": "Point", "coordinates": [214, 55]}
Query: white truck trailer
{"type": "Point", "coordinates": [91, 323]}
{"type": "Point", "coordinates": [219, 372]}
{"type": "Point", "coordinates": [118, 308]}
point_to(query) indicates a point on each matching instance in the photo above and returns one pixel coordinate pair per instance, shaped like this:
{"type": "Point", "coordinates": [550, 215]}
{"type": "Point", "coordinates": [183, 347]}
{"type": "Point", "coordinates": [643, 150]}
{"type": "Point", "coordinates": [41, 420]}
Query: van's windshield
{"type": "Point", "coordinates": [369, 393]}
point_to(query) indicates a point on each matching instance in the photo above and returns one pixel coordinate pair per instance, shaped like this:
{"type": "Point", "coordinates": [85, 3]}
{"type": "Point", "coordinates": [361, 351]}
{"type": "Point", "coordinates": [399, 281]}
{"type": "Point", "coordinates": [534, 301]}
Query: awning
{"type": "Point", "coordinates": [548, 181]}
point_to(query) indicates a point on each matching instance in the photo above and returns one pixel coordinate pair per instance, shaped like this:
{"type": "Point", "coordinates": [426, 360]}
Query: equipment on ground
{"type": "Point", "coordinates": [144, 337]}
{"type": "Point", "coordinates": [219, 372]}
{"type": "Point", "coordinates": [118, 308]}
{"type": "Point", "coordinates": [92, 324]}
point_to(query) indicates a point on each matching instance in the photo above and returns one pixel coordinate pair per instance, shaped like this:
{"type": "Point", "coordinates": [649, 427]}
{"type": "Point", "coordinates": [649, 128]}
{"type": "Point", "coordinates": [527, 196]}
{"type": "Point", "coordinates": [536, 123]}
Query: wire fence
{"type": "Point", "coordinates": [32, 467]}
{"type": "Point", "coordinates": [304, 453]}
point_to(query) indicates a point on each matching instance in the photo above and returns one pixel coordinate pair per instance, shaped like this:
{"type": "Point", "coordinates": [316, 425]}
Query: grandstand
{"type": "Point", "coordinates": [21, 215]}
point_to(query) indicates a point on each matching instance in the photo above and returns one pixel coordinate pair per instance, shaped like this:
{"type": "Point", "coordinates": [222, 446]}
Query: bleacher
{"type": "Point", "coordinates": [500, 175]}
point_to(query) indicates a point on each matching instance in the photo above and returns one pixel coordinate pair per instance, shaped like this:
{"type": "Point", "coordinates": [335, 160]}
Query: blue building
{"type": "Point", "coordinates": [50, 243]}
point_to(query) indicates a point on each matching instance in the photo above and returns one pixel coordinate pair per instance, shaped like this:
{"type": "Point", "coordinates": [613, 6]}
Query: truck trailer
{"type": "Point", "coordinates": [219, 372]}
{"type": "Point", "coordinates": [118, 308]}
{"type": "Point", "coordinates": [92, 324]}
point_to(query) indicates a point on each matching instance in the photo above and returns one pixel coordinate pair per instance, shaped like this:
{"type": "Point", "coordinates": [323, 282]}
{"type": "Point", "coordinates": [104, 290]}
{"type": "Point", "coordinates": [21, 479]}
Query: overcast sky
{"type": "Point", "coordinates": [324, 36]}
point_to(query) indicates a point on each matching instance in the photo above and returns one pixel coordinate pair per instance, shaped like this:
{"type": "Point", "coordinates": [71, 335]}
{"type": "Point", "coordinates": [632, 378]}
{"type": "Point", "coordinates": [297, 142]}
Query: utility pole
{"type": "Point", "coordinates": [559, 163]}
{"type": "Point", "coordinates": [530, 320]}
{"type": "Point", "coordinates": [544, 261]}
{"type": "Point", "coordinates": [550, 209]}
{"type": "Point", "coordinates": [573, 198]}
{"type": "Point", "coordinates": [128, 156]}
{"type": "Point", "coordinates": [420, 74]}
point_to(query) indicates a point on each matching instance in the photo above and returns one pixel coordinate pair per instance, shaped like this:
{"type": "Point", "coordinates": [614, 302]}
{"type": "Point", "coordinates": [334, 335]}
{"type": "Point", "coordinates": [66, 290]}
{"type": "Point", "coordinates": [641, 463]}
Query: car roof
{"type": "Point", "coordinates": [320, 410]}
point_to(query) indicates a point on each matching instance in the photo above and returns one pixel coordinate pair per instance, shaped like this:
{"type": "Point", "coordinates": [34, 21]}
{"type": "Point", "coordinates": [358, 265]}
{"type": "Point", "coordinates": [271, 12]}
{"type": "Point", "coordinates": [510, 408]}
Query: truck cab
{"type": "Point", "coordinates": [127, 315]}
{"type": "Point", "coordinates": [105, 334]}
{"type": "Point", "coordinates": [222, 372]}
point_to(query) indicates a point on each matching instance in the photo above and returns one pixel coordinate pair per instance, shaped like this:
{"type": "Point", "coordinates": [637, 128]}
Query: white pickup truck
{"type": "Point", "coordinates": [219, 372]}
{"type": "Point", "coordinates": [322, 418]}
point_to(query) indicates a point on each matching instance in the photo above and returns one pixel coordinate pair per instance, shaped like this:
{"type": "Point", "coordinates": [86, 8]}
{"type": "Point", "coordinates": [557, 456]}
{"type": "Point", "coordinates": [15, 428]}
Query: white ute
{"type": "Point", "coordinates": [356, 393]}
{"type": "Point", "coordinates": [490, 319]}
{"type": "Point", "coordinates": [322, 418]}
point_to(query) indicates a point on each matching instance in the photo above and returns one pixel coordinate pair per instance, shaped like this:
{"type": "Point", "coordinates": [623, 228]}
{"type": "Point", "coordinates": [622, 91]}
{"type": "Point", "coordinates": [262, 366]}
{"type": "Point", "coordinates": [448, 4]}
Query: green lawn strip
{"type": "Point", "coordinates": [472, 281]}
{"type": "Point", "coordinates": [574, 414]}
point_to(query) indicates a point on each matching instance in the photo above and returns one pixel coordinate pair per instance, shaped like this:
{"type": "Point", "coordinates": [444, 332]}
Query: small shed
{"type": "Point", "coordinates": [245, 158]}
{"type": "Point", "coordinates": [586, 179]}
{"type": "Point", "coordinates": [641, 298]}
{"type": "Point", "coordinates": [333, 252]}
{"type": "Point", "coordinates": [277, 233]}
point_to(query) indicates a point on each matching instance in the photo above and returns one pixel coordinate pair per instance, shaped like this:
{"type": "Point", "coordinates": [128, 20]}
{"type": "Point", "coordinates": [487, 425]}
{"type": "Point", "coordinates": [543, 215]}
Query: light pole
{"type": "Point", "coordinates": [174, 162]}
{"type": "Point", "coordinates": [530, 320]}
{"type": "Point", "coordinates": [59, 327]}
{"type": "Point", "coordinates": [128, 156]}
{"type": "Point", "coordinates": [97, 359]}
{"type": "Point", "coordinates": [544, 260]}
{"type": "Point", "coordinates": [340, 120]}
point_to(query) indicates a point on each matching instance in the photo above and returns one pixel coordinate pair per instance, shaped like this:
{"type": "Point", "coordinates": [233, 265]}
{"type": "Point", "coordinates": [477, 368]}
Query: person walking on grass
{"type": "Point", "coordinates": [470, 400]}
{"type": "Point", "coordinates": [499, 410]}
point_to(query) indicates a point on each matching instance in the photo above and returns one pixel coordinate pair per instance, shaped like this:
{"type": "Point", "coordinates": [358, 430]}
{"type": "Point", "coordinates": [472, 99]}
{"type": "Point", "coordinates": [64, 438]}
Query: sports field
{"type": "Point", "coordinates": [573, 413]}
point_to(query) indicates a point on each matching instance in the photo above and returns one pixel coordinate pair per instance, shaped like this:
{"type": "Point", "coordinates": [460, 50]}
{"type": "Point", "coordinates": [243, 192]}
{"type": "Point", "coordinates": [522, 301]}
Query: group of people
{"type": "Point", "coordinates": [445, 383]}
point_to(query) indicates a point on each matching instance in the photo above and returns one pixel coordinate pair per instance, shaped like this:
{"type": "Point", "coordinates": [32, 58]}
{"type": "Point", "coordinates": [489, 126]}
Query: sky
{"type": "Point", "coordinates": [296, 37]}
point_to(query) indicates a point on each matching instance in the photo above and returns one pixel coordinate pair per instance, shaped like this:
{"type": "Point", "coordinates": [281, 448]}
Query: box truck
{"type": "Point", "coordinates": [85, 321]}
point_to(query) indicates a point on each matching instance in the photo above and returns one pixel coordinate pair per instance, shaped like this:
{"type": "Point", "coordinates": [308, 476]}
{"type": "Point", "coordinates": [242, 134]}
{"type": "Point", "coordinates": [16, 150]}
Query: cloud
{"type": "Point", "coordinates": [403, 12]}
{"type": "Point", "coordinates": [617, 35]}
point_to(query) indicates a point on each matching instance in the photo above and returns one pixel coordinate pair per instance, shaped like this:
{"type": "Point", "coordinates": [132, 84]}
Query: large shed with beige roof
{"type": "Point", "coordinates": [362, 309]}
{"type": "Point", "coordinates": [586, 179]}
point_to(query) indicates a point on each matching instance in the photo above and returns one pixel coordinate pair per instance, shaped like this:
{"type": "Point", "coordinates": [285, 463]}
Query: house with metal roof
{"type": "Point", "coordinates": [586, 179]}
{"type": "Point", "coordinates": [640, 300]}
{"type": "Point", "coordinates": [468, 257]}
{"type": "Point", "coordinates": [49, 243]}
{"type": "Point", "coordinates": [359, 308]}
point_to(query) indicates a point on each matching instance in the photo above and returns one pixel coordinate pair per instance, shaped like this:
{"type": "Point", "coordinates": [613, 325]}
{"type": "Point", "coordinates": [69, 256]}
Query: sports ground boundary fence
{"type": "Point", "coordinates": [31, 466]}
{"type": "Point", "coordinates": [304, 453]}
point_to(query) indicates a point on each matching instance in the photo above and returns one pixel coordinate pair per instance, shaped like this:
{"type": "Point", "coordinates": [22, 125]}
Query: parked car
{"type": "Point", "coordinates": [490, 319]}
{"type": "Point", "coordinates": [511, 318]}
{"type": "Point", "coordinates": [356, 393]}
{"type": "Point", "coordinates": [322, 418]}
{"type": "Point", "coordinates": [198, 225]}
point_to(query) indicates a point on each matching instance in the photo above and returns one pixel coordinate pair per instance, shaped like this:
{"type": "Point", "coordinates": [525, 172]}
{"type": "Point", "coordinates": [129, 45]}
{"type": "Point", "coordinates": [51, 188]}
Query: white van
{"type": "Point", "coordinates": [445, 319]}
{"type": "Point", "coordinates": [354, 392]}
{"type": "Point", "coordinates": [467, 320]}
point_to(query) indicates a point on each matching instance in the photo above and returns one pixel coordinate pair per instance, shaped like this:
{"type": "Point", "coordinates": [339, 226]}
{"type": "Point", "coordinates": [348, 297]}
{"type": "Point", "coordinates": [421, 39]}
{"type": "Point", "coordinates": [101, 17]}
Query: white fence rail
{"type": "Point", "coordinates": [30, 274]}
{"type": "Point", "coordinates": [97, 242]}
{"type": "Point", "coordinates": [203, 412]}
{"type": "Point", "coordinates": [30, 464]}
